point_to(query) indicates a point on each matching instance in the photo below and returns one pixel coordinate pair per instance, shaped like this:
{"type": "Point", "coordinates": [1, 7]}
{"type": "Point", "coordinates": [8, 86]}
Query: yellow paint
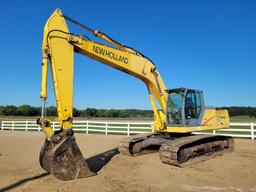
{"type": "Point", "coordinates": [212, 119]}
{"type": "Point", "coordinates": [48, 131]}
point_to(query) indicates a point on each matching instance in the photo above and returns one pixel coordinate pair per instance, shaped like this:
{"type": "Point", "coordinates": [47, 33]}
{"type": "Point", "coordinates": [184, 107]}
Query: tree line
{"type": "Point", "coordinates": [27, 110]}
{"type": "Point", "coordinates": [238, 111]}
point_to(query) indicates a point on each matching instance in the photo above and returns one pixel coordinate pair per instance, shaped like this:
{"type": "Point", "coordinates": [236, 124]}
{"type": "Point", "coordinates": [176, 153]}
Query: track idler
{"type": "Point", "coordinates": [61, 157]}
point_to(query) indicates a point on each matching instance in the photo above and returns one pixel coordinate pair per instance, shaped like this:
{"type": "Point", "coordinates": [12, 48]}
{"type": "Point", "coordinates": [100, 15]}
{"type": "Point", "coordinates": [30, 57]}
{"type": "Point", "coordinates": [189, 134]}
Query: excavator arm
{"type": "Point", "coordinates": [58, 50]}
{"type": "Point", "coordinates": [58, 47]}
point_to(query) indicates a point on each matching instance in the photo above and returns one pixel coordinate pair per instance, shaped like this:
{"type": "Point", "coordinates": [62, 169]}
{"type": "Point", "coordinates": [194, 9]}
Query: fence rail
{"type": "Point", "coordinates": [245, 130]}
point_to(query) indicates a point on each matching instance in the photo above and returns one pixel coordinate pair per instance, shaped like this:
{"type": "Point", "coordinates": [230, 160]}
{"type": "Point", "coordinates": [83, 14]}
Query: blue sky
{"type": "Point", "coordinates": [208, 45]}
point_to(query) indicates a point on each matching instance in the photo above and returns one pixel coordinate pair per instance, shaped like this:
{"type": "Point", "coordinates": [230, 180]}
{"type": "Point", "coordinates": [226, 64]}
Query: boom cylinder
{"type": "Point", "coordinates": [43, 93]}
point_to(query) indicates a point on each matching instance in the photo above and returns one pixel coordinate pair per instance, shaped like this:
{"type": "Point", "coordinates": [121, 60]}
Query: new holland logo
{"type": "Point", "coordinates": [109, 54]}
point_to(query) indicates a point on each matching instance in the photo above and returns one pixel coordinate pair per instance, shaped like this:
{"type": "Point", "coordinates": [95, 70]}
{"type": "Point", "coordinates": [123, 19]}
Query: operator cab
{"type": "Point", "coordinates": [185, 107]}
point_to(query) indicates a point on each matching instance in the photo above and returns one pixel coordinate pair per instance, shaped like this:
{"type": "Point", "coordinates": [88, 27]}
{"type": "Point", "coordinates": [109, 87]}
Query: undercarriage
{"type": "Point", "coordinates": [177, 149]}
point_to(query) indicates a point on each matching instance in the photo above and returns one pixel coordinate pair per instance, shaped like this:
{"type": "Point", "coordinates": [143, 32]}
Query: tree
{"type": "Point", "coordinates": [1, 110]}
{"type": "Point", "coordinates": [27, 110]}
{"type": "Point", "coordinates": [10, 110]}
{"type": "Point", "coordinates": [76, 113]}
{"type": "Point", "coordinates": [89, 112]}
{"type": "Point", "coordinates": [51, 111]}
{"type": "Point", "coordinates": [124, 114]}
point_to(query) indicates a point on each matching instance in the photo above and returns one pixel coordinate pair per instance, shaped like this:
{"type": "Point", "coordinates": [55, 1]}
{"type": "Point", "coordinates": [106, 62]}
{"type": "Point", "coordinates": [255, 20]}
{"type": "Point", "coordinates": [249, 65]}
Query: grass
{"type": "Point", "coordinates": [3, 118]}
{"type": "Point", "coordinates": [244, 118]}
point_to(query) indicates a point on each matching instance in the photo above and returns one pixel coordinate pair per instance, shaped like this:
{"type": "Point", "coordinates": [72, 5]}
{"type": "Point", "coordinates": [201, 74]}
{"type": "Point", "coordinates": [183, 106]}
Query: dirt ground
{"type": "Point", "coordinates": [20, 169]}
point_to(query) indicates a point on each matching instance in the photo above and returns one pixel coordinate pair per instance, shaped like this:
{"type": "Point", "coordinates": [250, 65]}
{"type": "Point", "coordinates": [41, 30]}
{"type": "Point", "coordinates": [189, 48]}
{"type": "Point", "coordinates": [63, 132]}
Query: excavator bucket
{"type": "Point", "coordinates": [62, 158]}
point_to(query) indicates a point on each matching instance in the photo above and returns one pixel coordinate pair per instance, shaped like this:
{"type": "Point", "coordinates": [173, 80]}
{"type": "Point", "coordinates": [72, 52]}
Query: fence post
{"type": "Point", "coordinates": [2, 126]}
{"type": "Point", "coordinates": [128, 128]}
{"type": "Point", "coordinates": [12, 125]}
{"type": "Point", "coordinates": [38, 128]}
{"type": "Point", "coordinates": [53, 126]}
{"type": "Point", "coordinates": [252, 130]}
{"type": "Point", "coordinates": [106, 132]}
{"type": "Point", "coordinates": [87, 125]}
{"type": "Point", "coordinates": [26, 129]}
{"type": "Point", "coordinates": [214, 131]}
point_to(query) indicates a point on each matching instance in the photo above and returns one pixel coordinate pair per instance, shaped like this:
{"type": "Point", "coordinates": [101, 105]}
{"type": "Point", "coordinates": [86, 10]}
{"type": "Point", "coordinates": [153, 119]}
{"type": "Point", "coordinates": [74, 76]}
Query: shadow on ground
{"type": "Point", "coordinates": [21, 182]}
{"type": "Point", "coordinates": [96, 163]}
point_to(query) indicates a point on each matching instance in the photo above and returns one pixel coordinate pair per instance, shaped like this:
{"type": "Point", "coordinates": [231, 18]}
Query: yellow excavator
{"type": "Point", "coordinates": [182, 110]}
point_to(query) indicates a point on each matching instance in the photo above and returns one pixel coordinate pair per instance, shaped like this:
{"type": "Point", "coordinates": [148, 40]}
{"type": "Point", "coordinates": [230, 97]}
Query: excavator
{"type": "Point", "coordinates": [181, 112]}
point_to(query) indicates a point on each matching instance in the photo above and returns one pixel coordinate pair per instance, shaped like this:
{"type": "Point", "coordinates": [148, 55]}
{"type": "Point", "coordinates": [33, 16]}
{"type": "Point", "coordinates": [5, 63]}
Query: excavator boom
{"type": "Point", "coordinates": [59, 46]}
{"type": "Point", "coordinates": [60, 154]}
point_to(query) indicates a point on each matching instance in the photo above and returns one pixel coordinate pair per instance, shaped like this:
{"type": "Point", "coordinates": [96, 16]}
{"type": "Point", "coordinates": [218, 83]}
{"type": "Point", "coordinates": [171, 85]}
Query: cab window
{"type": "Point", "coordinates": [192, 105]}
{"type": "Point", "coordinates": [174, 108]}
{"type": "Point", "coordinates": [198, 103]}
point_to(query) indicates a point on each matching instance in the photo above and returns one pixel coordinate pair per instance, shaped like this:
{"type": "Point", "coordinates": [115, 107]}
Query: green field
{"type": "Point", "coordinates": [242, 119]}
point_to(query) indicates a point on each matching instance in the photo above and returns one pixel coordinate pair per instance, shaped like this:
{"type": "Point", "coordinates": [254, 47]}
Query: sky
{"type": "Point", "coordinates": [208, 45]}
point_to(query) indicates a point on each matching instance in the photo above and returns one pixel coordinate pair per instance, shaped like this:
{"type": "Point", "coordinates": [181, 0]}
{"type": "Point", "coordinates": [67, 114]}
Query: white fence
{"type": "Point", "coordinates": [106, 127]}
{"type": "Point", "coordinates": [246, 130]}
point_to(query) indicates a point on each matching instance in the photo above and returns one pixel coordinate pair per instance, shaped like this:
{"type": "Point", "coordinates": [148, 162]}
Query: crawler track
{"type": "Point", "coordinates": [127, 146]}
{"type": "Point", "coordinates": [177, 150]}
{"type": "Point", "coordinates": [193, 149]}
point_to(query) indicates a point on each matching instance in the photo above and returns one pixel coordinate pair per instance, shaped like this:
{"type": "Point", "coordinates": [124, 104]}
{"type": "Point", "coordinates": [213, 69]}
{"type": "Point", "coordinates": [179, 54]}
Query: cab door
{"type": "Point", "coordinates": [193, 109]}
